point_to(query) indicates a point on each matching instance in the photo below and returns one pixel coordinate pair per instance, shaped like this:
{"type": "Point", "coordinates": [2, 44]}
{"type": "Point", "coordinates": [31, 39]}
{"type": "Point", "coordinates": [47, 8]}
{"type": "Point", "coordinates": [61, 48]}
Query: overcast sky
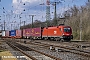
{"type": "Point", "coordinates": [14, 8]}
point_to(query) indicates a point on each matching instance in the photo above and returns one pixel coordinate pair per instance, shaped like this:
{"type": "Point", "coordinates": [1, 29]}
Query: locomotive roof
{"type": "Point", "coordinates": [57, 27]}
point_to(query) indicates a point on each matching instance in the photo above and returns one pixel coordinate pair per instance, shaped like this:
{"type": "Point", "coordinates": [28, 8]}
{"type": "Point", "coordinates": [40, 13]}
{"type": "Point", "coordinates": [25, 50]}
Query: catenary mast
{"type": "Point", "coordinates": [47, 11]}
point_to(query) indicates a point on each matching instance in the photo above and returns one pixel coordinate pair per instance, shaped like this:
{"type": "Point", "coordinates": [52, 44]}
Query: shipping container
{"type": "Point", "coordinates": [36, 32]}
{"type": "Point", "coordinates": [26, 33]}
{"type": "Point", "coordinates": [3, 33]}
{"type": "Point", "coordinates": [7, 33]}
{"type": "Point", "coordinates": [12, 33]}
{"type": "Point", "coordinates": [18, 33]}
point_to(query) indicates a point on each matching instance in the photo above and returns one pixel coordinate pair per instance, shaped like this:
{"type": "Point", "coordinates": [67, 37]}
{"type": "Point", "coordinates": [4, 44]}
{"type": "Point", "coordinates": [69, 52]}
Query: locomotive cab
{"type": "Point", "coordinates": [67, 33]}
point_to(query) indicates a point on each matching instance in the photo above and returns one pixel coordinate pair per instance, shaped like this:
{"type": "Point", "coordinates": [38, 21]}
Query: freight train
{"type": "Point", "coordinates": [62, 33]}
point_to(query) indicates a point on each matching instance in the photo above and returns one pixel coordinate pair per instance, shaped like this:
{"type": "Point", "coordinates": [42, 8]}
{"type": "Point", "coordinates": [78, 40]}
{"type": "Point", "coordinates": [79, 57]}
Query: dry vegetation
{"type": "Point", "coordinates": [79, 20]}
{"type": "Point", "coordinates": [77, 17]}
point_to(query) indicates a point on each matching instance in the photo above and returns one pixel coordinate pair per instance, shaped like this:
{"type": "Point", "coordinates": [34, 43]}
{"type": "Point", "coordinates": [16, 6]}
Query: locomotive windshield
{"type": "Point", "coordinates": [66, 29]}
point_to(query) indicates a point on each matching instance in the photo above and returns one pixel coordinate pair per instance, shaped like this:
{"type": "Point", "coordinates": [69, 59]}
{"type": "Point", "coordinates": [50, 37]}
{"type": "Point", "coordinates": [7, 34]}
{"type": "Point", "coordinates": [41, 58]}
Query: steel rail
{"type": "Point", "coordinates": [21, 51]}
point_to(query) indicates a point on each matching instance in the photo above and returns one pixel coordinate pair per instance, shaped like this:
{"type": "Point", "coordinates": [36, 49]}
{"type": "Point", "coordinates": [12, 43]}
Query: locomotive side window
{"type": "Point", "coordinates": [66, 29]}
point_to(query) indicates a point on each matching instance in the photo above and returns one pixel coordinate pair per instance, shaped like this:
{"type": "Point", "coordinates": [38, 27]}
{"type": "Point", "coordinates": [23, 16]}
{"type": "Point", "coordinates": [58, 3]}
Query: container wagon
{"type": "Point", "coordinates": [3, 34]}
{"type": "Point", "coordinates": [18, 34]}
{"type": "Point", "coordinates": [26, 33]}
{"type": "Point", "coordinates": [36, 33]}
{"type": "Point", "coordinates": [12, 33]}
{"type": "Point", "coordinates": [7, 33]}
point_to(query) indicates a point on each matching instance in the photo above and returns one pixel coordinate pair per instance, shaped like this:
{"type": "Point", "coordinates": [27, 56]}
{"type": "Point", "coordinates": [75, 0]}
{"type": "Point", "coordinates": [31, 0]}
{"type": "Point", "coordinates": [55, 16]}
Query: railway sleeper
{"type": "Point", "coordinates": [53, 57]}
{"type": "Point", "coordinates": [69, 50]}
{"type": "Point", "coordinates": [21, 51]}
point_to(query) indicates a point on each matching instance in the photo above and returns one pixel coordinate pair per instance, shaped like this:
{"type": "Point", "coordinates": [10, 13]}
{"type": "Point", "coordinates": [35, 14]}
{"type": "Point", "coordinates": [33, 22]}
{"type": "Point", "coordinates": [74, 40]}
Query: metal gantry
{"type": "Point", "coordinates": [47, 11]}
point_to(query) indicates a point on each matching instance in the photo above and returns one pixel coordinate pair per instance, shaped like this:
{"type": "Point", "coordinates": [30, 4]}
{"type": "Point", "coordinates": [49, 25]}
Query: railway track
{"type": "Point", "coordinates": [62, 48]}
{"type": "Point", "coordinates": [20, 49]}
{"type": "Point", "coordinates": [60, 54]}
{"type": "Point", "coordinates": [77, 44]}
{"type": "Point", "coordinates": [26, 50]}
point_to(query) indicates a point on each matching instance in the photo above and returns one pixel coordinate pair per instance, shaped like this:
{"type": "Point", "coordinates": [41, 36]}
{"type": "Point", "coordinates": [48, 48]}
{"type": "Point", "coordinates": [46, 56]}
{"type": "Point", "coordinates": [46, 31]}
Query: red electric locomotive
{"type": "Point", "coordinates": [61, 33]}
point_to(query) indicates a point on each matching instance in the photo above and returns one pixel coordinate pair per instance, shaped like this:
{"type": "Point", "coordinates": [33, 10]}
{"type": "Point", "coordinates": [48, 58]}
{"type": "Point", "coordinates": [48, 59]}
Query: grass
{"type": "Point", "coordinates": [6, 53]}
